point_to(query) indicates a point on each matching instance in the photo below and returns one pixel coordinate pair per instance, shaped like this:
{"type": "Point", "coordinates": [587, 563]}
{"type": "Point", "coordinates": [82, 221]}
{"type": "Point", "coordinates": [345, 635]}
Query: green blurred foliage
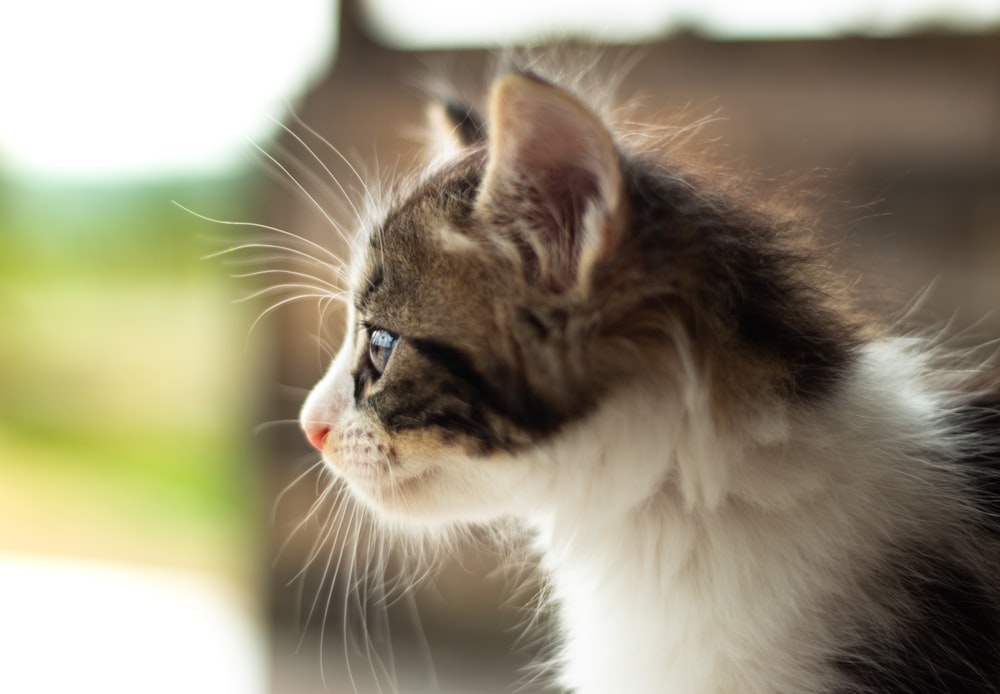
{"type": "Point", "coordinates": [125, 400]}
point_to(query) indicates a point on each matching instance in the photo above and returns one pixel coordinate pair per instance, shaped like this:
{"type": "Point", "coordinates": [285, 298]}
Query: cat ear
{"type": "Point", "coordinates": [455, 125]}
{"type": "Point", "coordinates": [554, 166]}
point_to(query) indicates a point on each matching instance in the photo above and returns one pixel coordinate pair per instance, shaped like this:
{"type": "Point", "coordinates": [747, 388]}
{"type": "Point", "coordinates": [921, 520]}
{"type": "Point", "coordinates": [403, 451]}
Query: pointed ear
{"type": "Point", "coordinates": [553, 166]}
{"type": "Point", "coordinates": [455, 126]}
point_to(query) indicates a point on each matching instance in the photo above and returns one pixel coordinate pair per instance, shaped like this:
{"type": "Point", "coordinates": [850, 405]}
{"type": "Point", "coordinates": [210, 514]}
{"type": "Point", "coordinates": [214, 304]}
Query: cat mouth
{"type": "Point", "coordinates": [380, 478]}
{"type": "Point", "coordinates": [360, 454]}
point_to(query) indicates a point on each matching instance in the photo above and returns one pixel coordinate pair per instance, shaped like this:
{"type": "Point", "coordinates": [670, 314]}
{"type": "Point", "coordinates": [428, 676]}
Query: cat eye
{"type": "Point", "coordinates": [380, 345]}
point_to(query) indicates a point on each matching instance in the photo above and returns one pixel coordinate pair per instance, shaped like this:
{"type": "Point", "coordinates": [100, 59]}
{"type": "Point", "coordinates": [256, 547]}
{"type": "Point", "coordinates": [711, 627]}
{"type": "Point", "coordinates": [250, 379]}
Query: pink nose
{"type": "Point", "coordinates": [316, 432]}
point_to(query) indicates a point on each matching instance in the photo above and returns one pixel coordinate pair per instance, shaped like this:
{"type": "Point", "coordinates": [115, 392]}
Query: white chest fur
{"type": "Point", "coordinates": [738, 594]}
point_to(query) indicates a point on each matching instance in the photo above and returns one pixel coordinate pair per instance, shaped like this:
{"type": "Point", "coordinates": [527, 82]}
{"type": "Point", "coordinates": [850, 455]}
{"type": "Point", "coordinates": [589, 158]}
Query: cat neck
{"type": "Point", "coordinates": [650, 452]}
{"type": "Point", "coordinates": [707, 577]}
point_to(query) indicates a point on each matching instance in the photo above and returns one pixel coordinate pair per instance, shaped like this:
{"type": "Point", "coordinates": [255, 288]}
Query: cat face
{"type": "Point", "coordinates": [539, 297]}
{"type": "Point", "coordinates": [470, 335]}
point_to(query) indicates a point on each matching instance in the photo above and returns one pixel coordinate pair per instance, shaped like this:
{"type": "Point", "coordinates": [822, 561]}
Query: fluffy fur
{"type": "Point", "coordinates": [734, 486]}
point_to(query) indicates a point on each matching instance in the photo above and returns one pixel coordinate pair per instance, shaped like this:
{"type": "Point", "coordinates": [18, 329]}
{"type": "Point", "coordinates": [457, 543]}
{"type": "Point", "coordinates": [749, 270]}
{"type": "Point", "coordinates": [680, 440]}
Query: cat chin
{"type": "Point", "coordinates": [446, 491]}
{"type": "Point", "coordinates": [392, 496]}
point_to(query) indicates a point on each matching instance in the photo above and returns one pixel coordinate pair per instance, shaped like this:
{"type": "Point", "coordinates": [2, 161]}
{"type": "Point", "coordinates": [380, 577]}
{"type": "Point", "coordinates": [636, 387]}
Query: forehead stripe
{"type": "Point", "coordinates": [374, 282]}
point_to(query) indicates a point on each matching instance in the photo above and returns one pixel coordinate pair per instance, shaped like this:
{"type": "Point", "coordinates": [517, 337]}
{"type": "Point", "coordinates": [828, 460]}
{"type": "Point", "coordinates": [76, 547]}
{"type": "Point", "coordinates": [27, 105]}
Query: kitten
{"type": "Point", "coordinates": [735, 485]}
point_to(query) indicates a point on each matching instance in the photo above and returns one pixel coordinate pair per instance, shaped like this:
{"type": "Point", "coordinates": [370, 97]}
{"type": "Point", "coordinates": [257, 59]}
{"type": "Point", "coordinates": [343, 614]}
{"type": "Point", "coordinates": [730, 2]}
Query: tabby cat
{"type": "Point", "coordinates": [734, 484]}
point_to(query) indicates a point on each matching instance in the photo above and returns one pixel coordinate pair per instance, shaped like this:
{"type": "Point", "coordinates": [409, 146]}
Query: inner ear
{"type": "Point", "coordinates": [456, 125]}
{"type": "Point", "coordinates": [554, 167]}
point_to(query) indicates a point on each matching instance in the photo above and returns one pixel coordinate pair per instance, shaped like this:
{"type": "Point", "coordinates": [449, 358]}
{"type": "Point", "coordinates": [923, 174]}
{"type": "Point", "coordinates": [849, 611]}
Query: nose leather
{"type": "Point", "coordinates": [316, 432]}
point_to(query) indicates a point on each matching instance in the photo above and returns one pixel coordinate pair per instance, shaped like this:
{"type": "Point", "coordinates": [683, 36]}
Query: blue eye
{"type": "Point", "coordinates": [380, 346]}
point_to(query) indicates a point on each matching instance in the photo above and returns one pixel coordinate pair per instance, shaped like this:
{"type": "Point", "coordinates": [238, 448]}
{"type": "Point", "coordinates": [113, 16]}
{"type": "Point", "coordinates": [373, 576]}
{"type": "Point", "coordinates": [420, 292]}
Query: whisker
{"type": "Point", "coordinates": [319, 160]}
{"type": "Point", "coordinates": [278, 288]}
{"type": "Point", "coordinates": [338, 270]}
{"type": "Point", "coordinates": [371, 198]}
{"type": "Point", "coordinates": [384, 612]}
{"type": "Point", "coordinates": [314, 179]}
{"type": "Point", "coordinates": [330, 528]}
{"type": "Point", "coordinates": [371, 576]}
{"type": "Point", "coordinates": [279, 304]}
{"type": "Point", "coordinates": [284, 492]}
{"type": "Point", "coordinates": [262, 227]}
{"type": "Point", "coordinates": [293, 273]}
{"type": "Point", "coordinates": [332, 524]}
{"type": "Point", "coordinates": [271, 424]}
{"type": "Point", "coordinates": [422, 643]}
{"type": "Point", "coordinates": [309, 196]}
{"type": "Point", "coordinates": [347, 593]}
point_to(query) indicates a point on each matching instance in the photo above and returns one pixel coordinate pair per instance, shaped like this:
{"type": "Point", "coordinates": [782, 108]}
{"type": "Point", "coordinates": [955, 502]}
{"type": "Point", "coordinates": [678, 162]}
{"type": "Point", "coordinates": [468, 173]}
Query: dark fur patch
{"type": "Point", "coordinates": [362, 378]}
{"type": "Point", "coordinates": [505, 396]}
{"type": "Point", "coordinates": [535, 323]}
{"type": "Point", "coordinates": [436, 406]}
{"type": "Point", "coordinates": [459, 367]}
{"type": "Point", "coordinates": [948, 640]}
{"type": "Point", "coordinates": [980, 420]}
{"type": "Point", "coordinates": [746, 290]}
{"type": "Point", "coordinates": [468, 124]}
{"type": "Point", "coordinates": [778, 319]}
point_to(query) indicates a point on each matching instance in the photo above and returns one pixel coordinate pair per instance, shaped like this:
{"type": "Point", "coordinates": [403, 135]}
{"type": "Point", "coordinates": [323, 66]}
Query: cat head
{"type": "Point", "coordinates": [544, 296]}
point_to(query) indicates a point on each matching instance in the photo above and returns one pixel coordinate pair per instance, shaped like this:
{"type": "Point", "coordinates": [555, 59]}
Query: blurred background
{"type": "Point", "coordinates": [158, 522]}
